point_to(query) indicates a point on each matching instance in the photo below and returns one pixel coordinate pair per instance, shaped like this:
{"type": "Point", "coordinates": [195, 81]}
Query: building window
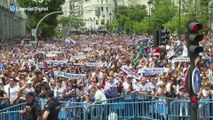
{"type": "Point", "coordinates": [102, 8]}
{"type": "Point", "coordinates": [107, 9]}
{"type": "Point", "coordinates": [102, 1]}
{"type": "Point", "coordinates": [102, 22]}
{"type": "Point", "coordinates": [108, 21]}
{"type": "Point", "coordinates": [86, 0]}
{"type": "Point", "coordinates": [106, 1]}
{"type": "Point", "coordinates": [97, 22]}
{"type": "Point", "coordinates": [97, 1]}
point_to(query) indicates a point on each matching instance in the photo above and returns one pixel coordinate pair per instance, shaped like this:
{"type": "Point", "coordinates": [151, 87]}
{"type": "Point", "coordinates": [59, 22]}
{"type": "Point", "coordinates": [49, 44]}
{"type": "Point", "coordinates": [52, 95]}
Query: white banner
{"type": "Point", "coordinates": [51, 55]}
{"type": "Point", "coordinates": [153, 70]}
{"type": "Point", "coordinates": [57, 62]}
{"type": "Point", "coordinates": [54, 52]}
{"type": "Point", "coordinates": [70, 75]}
{"type": "Point", "coordinates": [181, 59]}
{"type": "Point", "coordinates": [79, 57]}
{"type": "Point", "coordinates": [130, 72]}
{"type": "Point", "coordinates": [88, 49]}
{"type": "Point", "coordinates": [94, 64]}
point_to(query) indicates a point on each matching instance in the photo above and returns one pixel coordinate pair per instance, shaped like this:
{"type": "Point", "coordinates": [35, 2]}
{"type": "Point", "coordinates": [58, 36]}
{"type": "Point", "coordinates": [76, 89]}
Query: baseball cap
{"type": "Point", "coordinates": [50, 93]}
{"type": "Point", "coordinates": [29, 82]}
{"type": "Point", "coordinates": [29, 94]}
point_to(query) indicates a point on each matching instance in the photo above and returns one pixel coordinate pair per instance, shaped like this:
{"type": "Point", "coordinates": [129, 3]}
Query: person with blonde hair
{"type": "Point", "coordinates": [99, 95]}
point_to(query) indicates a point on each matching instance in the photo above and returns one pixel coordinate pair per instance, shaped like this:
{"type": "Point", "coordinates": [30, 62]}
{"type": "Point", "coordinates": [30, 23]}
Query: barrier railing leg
{"type": "Point", "coordinates": [85, 114]}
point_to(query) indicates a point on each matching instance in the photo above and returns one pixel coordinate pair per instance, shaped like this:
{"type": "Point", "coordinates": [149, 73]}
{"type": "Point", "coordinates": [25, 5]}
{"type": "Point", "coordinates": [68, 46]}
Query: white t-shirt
{"type": "Point", "coordinates": [126, 86]}
{"type": "Point", "coordinates": [142, 87]}
{"type": "Point", "coordinates": [100, 96]}
{"type": "Point", "coordinates": [58, 91]}
{"type": "Point", "coordinates": [210, 76]}
{"type": "Point", "coordinates": [110, 85]}
{"type": "Point", "coordinates": [11, 92]}
{"type": "Point", "coordinates": [185, 51]}
{"type": "Point", "coordinates": [151, 86]}
{"type": "Point", "coordinates": [99, 75]}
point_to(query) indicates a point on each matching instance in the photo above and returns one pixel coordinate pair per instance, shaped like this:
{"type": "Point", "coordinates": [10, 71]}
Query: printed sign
{"type": "Point", "coordinates": [94, 64]}
{"type": "Point", "coordinates": [130, 72]}
{"type": "Point", "coordinates": [152, 70]}
{"type": "Point", "coordinates": [78, 57]}
{"type": "Point", "coordinates": [70, 75]}
{"type": "Point", "coordinates": [181, 60]}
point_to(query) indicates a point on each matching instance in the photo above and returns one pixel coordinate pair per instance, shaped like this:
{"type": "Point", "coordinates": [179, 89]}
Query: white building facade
{"type": "Point", "coordinates": [13, 25]}
{"type": "Point", "coordinates": [97, 13]}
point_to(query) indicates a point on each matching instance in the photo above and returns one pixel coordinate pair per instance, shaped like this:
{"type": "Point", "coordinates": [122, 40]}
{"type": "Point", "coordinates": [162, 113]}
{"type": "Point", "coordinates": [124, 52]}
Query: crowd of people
{"type": "Point", "coordinates": [102, 66]}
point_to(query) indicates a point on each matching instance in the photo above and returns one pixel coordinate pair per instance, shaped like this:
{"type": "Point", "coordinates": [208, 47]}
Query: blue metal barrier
{"type": "Point", "coordinates": [206, 109]}
{"type": "Point", "coordinates": [179, 110]}
{"type": "Point", "coordinates": [125, 107]}
{"type": "Point", "coordinates": [127, 110]}
{"type": "Point", "coordinates": [12, 113]}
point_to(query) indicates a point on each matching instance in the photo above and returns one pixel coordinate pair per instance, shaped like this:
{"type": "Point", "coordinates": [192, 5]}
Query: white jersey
{"type": "Point", "coordinates": [11, 92]}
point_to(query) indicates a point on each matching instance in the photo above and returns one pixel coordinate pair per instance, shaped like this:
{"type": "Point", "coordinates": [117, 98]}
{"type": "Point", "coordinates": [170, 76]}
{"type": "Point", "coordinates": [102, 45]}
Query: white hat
{"type": "Point", "coordinates": [1, 76]}
{"type": "Point", "coordinates": [29, 82]}
{"type": "Point", "coordinates": [45, 80]}
{"type": "Point", "coordinates": [167, 47]}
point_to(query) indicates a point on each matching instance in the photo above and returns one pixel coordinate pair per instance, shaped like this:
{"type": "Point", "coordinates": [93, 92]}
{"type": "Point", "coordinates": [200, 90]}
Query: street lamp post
{"type": "Point", "coordinates": [90, 23]}
{"type": "Point", "coordinates": [179, 17]}
{"type": "Point", "coordinates": [131, 20]}
{"type": "Point", "coordinates": [210, 7]}
{"type": "Point", "coordinates": [110, 22]}
{"type": "Point", "coordinates": [94, 23]}
{"type": "Point", "coordinates": [36, 39]}
{"type": "Point", "coordinates": [104, 21]}
{"type": "Point", "coordinates": [149, 5]}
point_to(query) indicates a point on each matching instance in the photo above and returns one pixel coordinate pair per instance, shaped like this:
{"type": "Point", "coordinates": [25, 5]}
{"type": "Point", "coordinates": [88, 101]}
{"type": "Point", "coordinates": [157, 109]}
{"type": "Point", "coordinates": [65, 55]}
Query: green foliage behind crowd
{"type": "Point", "coordinates": [49, 24]}
{"type": "Point", "coordinates": [164, 14]}
{"type": "Point", "coordinates": [134, 19]}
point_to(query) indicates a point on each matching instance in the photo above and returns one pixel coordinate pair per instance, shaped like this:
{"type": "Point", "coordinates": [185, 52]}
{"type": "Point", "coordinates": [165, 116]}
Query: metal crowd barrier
{"type": "Point", "coordinates": [125, 107]}
{"type": "Point", "coordinates": [206, 109]}
{"type": "Point", "coordinates": [12, 113]}
{"type": "Point", "coordinates": [180, 110]}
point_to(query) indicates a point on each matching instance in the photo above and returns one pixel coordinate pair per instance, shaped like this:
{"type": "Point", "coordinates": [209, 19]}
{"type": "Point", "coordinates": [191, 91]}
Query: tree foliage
{"type": "Point", "coordinates": [50, 23]}
{"type": "Point", "coordinates": [164, 14]}
{"type": "Point", "coordinates": [163, 11]}
{"type": "Point", "coordinates": [128, 17]}
{"type": "Point", "coordinates": [71, 22]}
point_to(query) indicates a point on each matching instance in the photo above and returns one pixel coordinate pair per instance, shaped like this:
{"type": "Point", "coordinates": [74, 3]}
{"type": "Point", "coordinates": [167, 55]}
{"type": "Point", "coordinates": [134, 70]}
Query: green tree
{"type": "Point", "coordinates": [163, 11]}
{"type": "Point", "coordinates": [128, 18]}
{"type": "Point", "coordinates": [72, 22]}
{"type": "Point", "coordinates": [50, 23]}
{"type": "Point", "coordinates": [173, 24]}
{"type": "Point", "coordinates": [76, 22]}
{"type": "Point", "coordinates": [64, 21]}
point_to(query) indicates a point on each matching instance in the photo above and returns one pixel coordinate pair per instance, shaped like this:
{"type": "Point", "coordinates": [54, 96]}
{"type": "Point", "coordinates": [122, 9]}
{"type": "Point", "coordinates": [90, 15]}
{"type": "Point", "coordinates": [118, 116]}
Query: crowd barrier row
{"type": "Point", "coordinates": [126, 107]}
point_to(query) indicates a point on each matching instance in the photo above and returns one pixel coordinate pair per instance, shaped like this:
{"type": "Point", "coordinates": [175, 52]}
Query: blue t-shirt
{"type": "Point", "coordinates": [68, 89]}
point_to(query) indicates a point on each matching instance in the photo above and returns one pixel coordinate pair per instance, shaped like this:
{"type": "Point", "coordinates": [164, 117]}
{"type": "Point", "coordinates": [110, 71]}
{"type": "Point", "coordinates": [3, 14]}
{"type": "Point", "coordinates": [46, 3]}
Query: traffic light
{"type": "Point", "coordinates": [156, 37]}
{"type": "Point", "coordinates": [164, 36]}
{"type": "Point", "coordinates": [194, 99]}
{"type": "Point", "coordinates": [193, 38]}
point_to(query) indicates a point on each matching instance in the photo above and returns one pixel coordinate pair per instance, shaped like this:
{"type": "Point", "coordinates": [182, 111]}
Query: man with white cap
{"type": "Point", "coordinates": [29, 87]}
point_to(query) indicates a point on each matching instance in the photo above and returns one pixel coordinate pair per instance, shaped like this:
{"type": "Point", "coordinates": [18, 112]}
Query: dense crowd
{"type": "Point", "coordinates": [102, 66]}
